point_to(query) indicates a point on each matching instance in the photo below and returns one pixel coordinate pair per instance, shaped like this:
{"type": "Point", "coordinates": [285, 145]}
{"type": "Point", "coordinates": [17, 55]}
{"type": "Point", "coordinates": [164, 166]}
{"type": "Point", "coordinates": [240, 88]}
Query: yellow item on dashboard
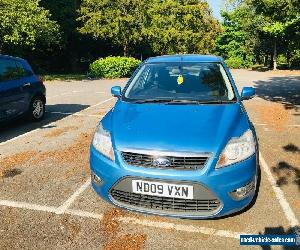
{"type": "Point", "coordinates": [180, 80]}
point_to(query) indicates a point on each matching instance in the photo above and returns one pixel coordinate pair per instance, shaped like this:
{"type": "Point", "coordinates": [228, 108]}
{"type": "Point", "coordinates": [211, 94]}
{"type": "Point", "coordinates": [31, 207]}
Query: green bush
{"type": "Point", "coordinates": [281, 59]}
{"type": "Point", "coordinates": [295, 60]}
{"type": "Point", "coordinates": [282, 62]}
{"type": "Point", "coordinates": [114, 67]}
{"type": "Point", "coordinates": [234, 62]}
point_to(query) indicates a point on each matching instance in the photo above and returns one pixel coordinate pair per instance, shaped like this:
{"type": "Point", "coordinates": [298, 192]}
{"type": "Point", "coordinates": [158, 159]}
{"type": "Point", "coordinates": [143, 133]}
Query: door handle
{"type": "Point", "coordinates": [27, 85]}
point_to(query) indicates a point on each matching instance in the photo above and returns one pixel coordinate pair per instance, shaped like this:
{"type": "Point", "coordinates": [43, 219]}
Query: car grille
{"type": "Point", "coordinates": [165, 204]}
{"type": "Point", "coordinates": [176, 162]}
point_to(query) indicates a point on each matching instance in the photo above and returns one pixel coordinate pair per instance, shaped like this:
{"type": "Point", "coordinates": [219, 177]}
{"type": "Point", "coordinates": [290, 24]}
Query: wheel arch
{"type": "Point", "coordinates": [39, 94]}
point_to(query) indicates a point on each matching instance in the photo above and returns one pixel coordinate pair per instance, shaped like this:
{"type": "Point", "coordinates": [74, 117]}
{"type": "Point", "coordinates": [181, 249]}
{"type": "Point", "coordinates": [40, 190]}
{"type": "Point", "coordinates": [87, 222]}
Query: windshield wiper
{"type": "Point", "coordinates": [184, 102]}
{"type": "Point", "coordinates": [199, 102]}
{"type": "Point", "coordinates": [168, 101]}
{"type": "Point", "coordinates": [153, 101]}
{"type": "Point", "coordinates": [220, 102]}
{"type": "Point", "coordinates": [176, 101]}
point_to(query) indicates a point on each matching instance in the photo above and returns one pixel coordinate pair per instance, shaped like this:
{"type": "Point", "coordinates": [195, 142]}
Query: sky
{"type": "Point", "coordinates": [216, 6]}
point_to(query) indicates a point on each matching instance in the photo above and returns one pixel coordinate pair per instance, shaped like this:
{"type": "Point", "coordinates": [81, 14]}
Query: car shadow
{"type": "Point", "coordinates": [286, 174]}
{"type": "Point", "coordinates": [21, 125]}
{"type": "Point", "coordinates": [285, 90]}
{"type": "Point", "coordinates": [291, 148]}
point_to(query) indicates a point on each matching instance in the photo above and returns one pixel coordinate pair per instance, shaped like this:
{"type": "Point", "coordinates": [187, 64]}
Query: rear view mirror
{"type": "Point", "coordinates": [247, 93]}
{"type": "Point", "coordinates": [116, 91]}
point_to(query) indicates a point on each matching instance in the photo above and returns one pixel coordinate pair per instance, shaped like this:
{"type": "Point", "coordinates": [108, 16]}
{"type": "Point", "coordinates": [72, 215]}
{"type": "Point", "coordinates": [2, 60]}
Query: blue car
{"type": "Point", "coordinates": [178, 141]}
{"type": "Point", "coordinates": [21, 91]}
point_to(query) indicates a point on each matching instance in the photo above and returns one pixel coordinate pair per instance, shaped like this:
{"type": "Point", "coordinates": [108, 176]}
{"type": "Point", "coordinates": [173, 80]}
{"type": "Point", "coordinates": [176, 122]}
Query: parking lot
{"type": "Point", "coordinates": [46, 201]}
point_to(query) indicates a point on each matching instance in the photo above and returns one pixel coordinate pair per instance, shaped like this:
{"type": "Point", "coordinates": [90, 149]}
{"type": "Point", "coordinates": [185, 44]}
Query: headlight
{"type": "Point", "coordinates": [237, 149]}
{"type": "Point", "coordinates": [102, 142]}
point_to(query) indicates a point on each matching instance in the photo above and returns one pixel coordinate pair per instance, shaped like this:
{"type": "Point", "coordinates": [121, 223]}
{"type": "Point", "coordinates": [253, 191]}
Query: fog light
{"type": "Point", "coordinates": [96, 179]}
{"type": "Point", "coordinates": [244, 191]}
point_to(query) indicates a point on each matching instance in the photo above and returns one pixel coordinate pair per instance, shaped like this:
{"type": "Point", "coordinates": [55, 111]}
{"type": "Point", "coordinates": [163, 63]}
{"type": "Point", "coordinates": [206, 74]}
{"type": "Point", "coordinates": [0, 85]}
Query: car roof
{"type": "Point", "coordinates": [12, 58]}
{"type": "Point", "coordinates": [185, 58]}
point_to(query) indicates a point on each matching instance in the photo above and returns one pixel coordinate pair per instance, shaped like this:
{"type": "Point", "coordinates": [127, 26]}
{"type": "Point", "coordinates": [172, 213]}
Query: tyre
{"type": "Point", "coordinates": [36, 110]}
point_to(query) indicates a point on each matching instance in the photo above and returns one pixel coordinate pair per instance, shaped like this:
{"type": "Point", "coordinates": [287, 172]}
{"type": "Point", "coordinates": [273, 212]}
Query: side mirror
{"type": "Point", "coordinates": [247, 93]}
{"type": "Point", "coordinates": [116, 91]}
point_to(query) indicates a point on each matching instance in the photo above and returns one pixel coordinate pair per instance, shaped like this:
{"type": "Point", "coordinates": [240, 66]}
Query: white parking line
{"type": "Point", "coordinates": [53, 123]}
{"type": "Point", "coordinates": [74, 114]}
{"type": "Point", "coordinates": [279, 194]}
{"type": "Point", "coordinates": [132, 220]}
{"type": "Point", "coordinates": [100, 103]}
{"type": "Point", "coordinates": [259, 124]}
{"type": "Point", "coordinates": [73, 197]}
{"type": "Point", "coordinates": [63, 209]}
{"type": "Point", "coordinates": [84, 214]}
{"type": "Point", "coordinates": [25, 205]}
{"type": "Point", "coordinates": [148, 223]}
{"type": "Point", "coordinates": [264, 124]}
{"type": "Point", "coordinates": [294, 125]}
{"type": "Point", "coordinates": [20, 136]}
{"type": "Point", "coordinates": [181, 227]}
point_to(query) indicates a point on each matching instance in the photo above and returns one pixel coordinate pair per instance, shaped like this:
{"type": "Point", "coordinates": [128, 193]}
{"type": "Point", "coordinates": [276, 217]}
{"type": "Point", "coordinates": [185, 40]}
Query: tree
{"type": "Point", "coordinates": [237, 41]}
{"type": "Point", "coordinates": [181, 26]}
{"type": "Point", "coordinates": [280, 21]}
{"type": "Point", "coordinates": [121, 21]}
{"type": "Point", "coordinates": [25, 23]}
{"type": "Point", "coordinates": [273, 17]}
{"type": "Point", "coordinates": [65, 12]}
{"type": "Point", "coordinates": [262, 28]}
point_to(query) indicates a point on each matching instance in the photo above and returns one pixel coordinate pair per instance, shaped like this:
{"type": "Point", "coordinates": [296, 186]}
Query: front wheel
{"type": "Point", "coordinates": [37, 109]}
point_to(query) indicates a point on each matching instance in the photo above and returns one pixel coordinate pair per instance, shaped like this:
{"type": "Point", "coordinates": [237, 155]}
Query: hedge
{"type": "Point", "coordinates": [114, 67]}
{"type": "Point", "coordinates": [236, 62]}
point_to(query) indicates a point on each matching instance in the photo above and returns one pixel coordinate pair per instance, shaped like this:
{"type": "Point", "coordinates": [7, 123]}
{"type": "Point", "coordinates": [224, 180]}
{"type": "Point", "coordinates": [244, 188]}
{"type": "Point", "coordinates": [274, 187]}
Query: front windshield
{"type": "Point", "coordinates": [202, 82]}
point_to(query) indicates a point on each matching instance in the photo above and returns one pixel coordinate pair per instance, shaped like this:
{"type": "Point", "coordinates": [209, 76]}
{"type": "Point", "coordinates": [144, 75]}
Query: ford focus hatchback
{"type": "Point", "coordinates": [178, 141]}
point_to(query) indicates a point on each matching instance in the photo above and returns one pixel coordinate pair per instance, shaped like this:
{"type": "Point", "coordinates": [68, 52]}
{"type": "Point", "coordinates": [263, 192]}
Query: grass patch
{"type": "Point", "coordinates": [260, 68]}
{"type": "Point", "coordinates": [64, 77]}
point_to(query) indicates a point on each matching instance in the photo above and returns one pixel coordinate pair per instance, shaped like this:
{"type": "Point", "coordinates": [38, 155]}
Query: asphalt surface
{"type": "Point", "coordinates": [46, 201]}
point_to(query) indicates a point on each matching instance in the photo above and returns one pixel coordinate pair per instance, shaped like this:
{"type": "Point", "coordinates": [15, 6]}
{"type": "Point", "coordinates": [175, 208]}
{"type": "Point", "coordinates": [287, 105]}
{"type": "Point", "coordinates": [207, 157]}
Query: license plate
{"type": "Point", "coordinates": [163, 189]}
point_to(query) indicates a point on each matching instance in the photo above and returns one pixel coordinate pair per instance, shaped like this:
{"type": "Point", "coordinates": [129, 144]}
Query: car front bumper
{"type": "Point", "coordinates": [220, 182]}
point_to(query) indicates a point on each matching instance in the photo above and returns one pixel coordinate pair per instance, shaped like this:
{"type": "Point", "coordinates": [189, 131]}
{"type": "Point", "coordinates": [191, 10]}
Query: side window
{"type": "Point", "coordinates": [21, 71]}
{"type": "Point", "coordinates": [140, 83]}
{"type": "Point", "coordinates": [8, 70]}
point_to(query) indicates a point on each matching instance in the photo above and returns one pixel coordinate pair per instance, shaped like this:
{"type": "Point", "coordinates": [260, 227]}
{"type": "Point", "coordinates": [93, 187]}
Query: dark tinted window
{"type": "Point", "coordinates": [11, 69]}
{"type": "Point", "coordinates": [21, 70]}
